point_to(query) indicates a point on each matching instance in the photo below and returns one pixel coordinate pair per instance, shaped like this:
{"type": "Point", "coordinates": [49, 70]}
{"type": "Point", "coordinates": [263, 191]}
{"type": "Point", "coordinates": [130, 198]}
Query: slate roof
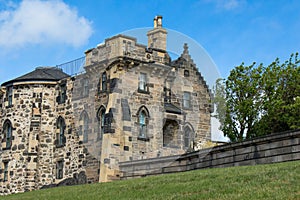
{"type": "Point", "coordinates": [40, 74]}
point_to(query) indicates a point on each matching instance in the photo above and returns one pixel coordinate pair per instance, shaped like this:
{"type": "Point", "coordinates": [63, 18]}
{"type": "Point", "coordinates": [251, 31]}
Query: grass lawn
{"type": "Point", "coordinates": [273, 181]}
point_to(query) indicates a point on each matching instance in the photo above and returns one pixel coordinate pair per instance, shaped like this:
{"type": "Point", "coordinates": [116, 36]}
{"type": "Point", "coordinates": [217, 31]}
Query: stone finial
{"type": "Point", "coordinates": [186, 54]}
{"type": "Point", "coordinates": [185, 49]}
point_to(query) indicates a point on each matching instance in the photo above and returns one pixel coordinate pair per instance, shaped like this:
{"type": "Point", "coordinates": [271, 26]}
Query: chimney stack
{"type": "Point", "coordinates": [157, 37]}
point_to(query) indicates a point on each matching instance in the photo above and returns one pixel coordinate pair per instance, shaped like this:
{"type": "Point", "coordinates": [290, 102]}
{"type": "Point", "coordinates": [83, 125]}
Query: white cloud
{"type": "Point", "coordinates": [43, 22]}
{"type": "Point", "coordinates": [227, 4]}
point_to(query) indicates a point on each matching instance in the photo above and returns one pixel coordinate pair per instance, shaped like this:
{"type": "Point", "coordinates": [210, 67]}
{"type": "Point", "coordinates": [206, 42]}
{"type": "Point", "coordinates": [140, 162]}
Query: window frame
{"type": "Point", "coordinates": [59, 169]}
{"type": "Point", "coordinates": [10, 95]}
{"type": "Point", "coordinates": [62, 93]}
{"type": "Point", "coordinates": [101, 122]}
{"type": "Point", "coordinates": [143, 83]}
{"type": "Point", "coordinates": [5, 171]}
{"type": "Point", "coordinates": [84, 126]}
{"type": "Point", "coordinates": [104, 82]}
{"type": "Point", "coordinates": [85, 89]}
{"type": "Point", "coordinates": [7, 132]}
{"type": "Point", "coordinates": [186, 102]}
{"type": "Point", "coordinates": [60, 135]}
{"type": "Point", "coordinates": [189, 137]}
{"type": "Point", "coordinates": [143, 124]}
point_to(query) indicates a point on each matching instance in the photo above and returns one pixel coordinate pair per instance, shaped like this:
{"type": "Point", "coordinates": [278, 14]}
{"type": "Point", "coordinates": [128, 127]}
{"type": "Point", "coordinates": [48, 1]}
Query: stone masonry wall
{"type": "Point", "coordinates": [33, 155]}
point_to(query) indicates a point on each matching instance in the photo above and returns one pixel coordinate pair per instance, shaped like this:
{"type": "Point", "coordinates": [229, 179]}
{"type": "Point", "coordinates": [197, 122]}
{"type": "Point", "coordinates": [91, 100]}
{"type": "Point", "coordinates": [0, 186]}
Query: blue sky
{"type": "Point", "coordinates": [47, 33]}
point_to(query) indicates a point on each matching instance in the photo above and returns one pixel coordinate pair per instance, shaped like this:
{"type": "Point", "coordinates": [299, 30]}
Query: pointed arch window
{"type": "Point", "coordinates": [100, 117]}
{"type": "Point", "coordinates": [143, 119]}
{"type": "Point", "coordinates": [7, 134]}
{"type": "Point", "coordinates": [188, 137]}
{"type": "Point", "coordinates": [60, 133]}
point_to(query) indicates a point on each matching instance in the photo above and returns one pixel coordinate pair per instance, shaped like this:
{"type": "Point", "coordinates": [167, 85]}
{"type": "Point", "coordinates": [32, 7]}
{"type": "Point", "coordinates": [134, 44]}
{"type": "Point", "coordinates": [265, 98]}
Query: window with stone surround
{"type": "Point", "coordinates": [5, 171]}
{"type": "Point", "coordinates": [167, 95]}
{"type": "Point", "coordinates": [143, 88]}
{"type": "Point", "coordinates": [84, 126]}
{"type": "Point", "coordinates": [60, 133]}
{"type": "Point", "coordinates": [186, 100]}
{"type": "Point", "coordinates": [60, 169]}
{"type": "Point", "coordinates": [100, 118]}
{"type": "Point", "coordinates": [186, 73]}
{"type": "Point", "coordinates": [62, 97]}
{"type": "Point", "coordinates": [104, 82]}
{"type": "Point", "coordinates": [7, 135]}
{"type": "Point", "coordinates": [143, 120]}
{"type": "Point", "coordinates": [188, 137]}
{"type": "Point", "coordinates": [9, 95]}
{"type": "Point", "coordinates": [85, 87]}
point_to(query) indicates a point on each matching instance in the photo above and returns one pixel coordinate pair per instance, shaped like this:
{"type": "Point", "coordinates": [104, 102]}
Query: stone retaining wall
{"type": "Point", "coordinates": [273, 148]}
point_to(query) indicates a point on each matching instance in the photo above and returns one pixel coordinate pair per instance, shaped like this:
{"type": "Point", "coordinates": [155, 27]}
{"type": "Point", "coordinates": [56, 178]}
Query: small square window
{"type": "Point", "coordinates": [186, 73]}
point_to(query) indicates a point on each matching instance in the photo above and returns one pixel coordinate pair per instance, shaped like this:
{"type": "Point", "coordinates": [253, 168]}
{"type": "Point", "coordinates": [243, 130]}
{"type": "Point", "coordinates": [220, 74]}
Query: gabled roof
{"type": "Point", "coordinates": [40, 74]}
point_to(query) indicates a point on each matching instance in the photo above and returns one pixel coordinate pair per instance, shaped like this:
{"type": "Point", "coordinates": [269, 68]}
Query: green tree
{"type": "Point", "coordinates": [255, 101]}
{"type": "Point", "coordinates": [243, 95]}
{"type": "Point", "coordinates": [280, 100]}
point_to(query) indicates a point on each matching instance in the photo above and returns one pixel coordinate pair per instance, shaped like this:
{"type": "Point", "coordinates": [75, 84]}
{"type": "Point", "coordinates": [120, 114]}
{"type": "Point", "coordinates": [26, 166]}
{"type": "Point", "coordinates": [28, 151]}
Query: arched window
{"type": "Point", "coordinates": [143, 118]}
{"type": "Point", "coordinates": [104, 82]}
{"type": "Point", "coordinates": [188, 137]}
{"type": "Point", "coordinates": [143, 125]}
{"type": "Point", "coordinates": [60, 134]}
{"type": "Point", "coordinates": [100, 118]}
{"type": "Point", "coordinates": [84, 128]}
{"type": "Point", "coordinates": [7, 134]}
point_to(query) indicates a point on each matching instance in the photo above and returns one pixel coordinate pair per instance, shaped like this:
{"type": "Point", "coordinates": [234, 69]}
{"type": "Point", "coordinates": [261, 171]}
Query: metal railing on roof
{"type": "Point", "coordinates": [73, 67]}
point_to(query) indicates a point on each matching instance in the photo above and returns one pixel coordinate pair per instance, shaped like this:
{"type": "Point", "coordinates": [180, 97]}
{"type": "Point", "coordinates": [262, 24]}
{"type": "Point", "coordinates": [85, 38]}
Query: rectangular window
{"type": "Point", "coordinates": [5, 171]}
{"type": "Point", "coordinates": [85, 87]}
{"type": "Point", "coordinates": [59, 169]}
{"type": "Point", "coordinates": [8, 136]}
{"type": "Point", "coordinates": [186, 99]}
{"type": "Point", "coordinates": [168, 94]}
{"type": "Point", "coordinates": [9, 95]}
{"type": "Point", "coordinates": [63, 93]}
{"type": "Point", "coordinates": [143, 82]}
{"type": "Point", "coordinates": [104, 82]}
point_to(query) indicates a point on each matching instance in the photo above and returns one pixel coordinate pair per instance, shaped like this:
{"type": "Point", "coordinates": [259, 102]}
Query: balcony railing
{"type": "Point", "coordinates": [73, 67]}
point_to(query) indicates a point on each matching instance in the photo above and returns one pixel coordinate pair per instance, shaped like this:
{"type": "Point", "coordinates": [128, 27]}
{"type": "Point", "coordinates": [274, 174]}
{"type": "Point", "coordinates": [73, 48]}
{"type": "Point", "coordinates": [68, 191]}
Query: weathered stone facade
{"type": "Point", "coordinates": [132, 102]}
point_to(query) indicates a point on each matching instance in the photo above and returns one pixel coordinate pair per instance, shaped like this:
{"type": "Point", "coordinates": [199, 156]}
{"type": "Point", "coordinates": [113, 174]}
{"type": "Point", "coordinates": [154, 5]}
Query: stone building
{"type": "Point", "coordinates": [131, 102]}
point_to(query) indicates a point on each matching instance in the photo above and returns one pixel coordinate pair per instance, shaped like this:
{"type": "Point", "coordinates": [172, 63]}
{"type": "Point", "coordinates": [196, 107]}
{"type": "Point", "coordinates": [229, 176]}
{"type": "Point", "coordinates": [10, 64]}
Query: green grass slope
{"type": "Point", "coordinates": [273, 181]}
